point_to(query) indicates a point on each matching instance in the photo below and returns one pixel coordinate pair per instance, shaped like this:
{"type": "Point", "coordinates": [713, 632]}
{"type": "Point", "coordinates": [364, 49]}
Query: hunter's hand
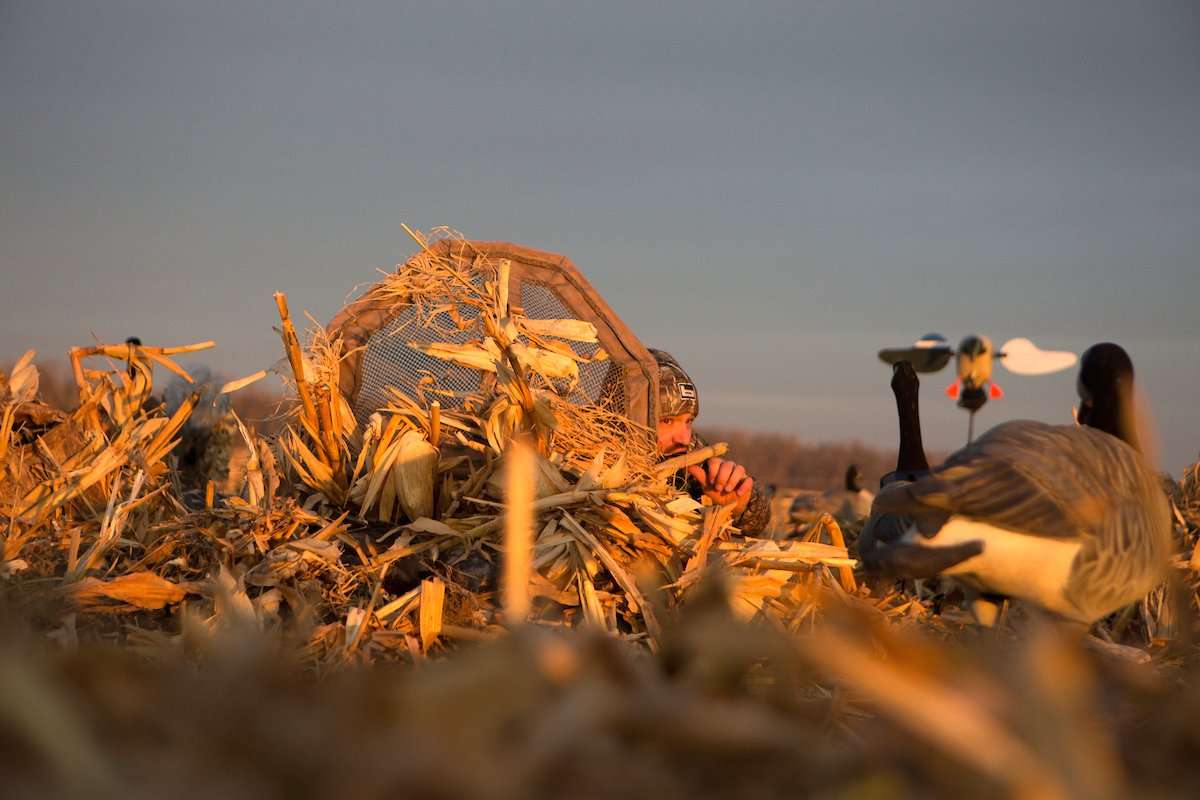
{"type": "Point", "coordinates": [726, 482]}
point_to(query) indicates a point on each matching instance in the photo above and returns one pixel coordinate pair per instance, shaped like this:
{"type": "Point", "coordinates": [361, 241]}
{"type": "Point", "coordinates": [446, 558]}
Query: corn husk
{"type": "Point", "coordinates": [23, 379]}
{"type": "Point", "coordinates": [571, 329]}
{"type": "Point", "coordinates": [477, 357]}
{"type": "Point", "coordinates": [413, 474]}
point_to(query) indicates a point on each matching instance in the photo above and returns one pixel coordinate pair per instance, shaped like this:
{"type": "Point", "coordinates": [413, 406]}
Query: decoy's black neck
{"type": "Point", "coordinates": [1112, 414]}
{"type": "Point", "coordinates": [905, 386]}
{"type": "Point", "coordinates": [1105, 388]}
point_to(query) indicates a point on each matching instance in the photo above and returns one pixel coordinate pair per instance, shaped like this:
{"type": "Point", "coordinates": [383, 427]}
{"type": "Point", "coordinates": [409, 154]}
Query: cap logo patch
{"type": "Point", "coordinates": [687, 391]}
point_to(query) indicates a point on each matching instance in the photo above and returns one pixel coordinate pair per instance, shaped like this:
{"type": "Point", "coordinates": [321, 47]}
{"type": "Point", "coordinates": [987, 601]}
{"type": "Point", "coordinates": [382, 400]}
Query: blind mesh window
{"type": "Point", "coordinates": [378, 327]}
{"type": "Point", "coordinates": [600, 382]}
{"type": "Point", "coordinates": [390, 361]}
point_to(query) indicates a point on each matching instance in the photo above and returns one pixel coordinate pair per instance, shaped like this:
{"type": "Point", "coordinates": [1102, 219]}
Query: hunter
{"type": "Point", "coordinates": [725, 482]}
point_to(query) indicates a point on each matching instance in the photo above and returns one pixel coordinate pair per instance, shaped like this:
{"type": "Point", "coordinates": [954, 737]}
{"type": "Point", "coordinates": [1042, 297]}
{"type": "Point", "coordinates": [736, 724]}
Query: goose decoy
{"type": "Point", "coordinates": [133, 343]}
{"type": "Point", "coordinates": [974, 359]}
{"type": "Point", "coordinates": [1068, 517]}
{"type": "Point", "coordinates": [852, 501]}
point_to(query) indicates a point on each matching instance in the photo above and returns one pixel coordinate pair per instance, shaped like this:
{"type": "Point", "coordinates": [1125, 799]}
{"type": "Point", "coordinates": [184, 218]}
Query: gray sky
{"type": "Point", "coordinates": [772, 192]}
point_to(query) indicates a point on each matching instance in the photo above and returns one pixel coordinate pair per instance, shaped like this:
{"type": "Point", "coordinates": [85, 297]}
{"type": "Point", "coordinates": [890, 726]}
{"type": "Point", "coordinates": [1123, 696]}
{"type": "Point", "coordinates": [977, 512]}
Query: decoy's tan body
{"type": "Point", "coordinates": [973, 361]}
{"type": "Point", "coordinates": [1070, 517]}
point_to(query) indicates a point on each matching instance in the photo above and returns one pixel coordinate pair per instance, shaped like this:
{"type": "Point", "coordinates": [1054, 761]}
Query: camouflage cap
{"type": "Point", "coordinates": [677, 394]}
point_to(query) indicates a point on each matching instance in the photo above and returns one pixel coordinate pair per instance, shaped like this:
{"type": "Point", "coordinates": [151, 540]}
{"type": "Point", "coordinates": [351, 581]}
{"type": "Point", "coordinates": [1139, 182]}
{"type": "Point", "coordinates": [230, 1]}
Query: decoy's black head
{"type": "Point", "coordinates": [1105, 388]}
{"type": "Point", "coordinates": [853, 479]}
{"type": "Point", "coordinates": [974, 346]}
{"type": "Point", "coordinates": [133, 342]}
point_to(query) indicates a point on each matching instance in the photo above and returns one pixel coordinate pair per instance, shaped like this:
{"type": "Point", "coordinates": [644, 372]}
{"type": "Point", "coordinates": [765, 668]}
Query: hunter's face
{"type": "Point", "coordinates": [675, 434]}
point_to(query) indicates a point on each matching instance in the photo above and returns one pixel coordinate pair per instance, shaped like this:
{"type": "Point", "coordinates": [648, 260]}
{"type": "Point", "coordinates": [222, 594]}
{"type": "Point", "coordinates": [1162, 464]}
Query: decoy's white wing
{"type": "Point", "coordinates": [1023, 357]}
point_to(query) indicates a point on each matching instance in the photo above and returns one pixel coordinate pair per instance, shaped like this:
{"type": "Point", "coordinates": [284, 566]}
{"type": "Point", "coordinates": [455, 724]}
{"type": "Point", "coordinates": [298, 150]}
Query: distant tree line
{"type": "Point", "coordinates": [772, 458]}
{"type": "Point", "coordinates": [784, 460]}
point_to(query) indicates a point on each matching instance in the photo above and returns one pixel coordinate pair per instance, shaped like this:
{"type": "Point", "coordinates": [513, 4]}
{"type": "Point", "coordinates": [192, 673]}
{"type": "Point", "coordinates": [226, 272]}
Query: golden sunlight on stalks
{"type": "Point", "coordinates": [385, 534]}
{"type": "Point", "coordinates": [85, 476]}
{"type": "Point", "coordinates": [518, 532]}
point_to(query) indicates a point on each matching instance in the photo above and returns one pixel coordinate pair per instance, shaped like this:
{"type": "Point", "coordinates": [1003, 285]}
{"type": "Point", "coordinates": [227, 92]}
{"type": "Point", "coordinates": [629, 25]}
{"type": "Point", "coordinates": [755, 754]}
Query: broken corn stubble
{"type": "Point", "coordinates": [518, 531]}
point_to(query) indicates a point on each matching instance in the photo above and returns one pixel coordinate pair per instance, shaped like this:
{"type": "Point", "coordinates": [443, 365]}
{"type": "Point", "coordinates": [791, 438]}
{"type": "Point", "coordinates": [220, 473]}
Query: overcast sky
{"type": "Point", "coordinates": [772, 191]}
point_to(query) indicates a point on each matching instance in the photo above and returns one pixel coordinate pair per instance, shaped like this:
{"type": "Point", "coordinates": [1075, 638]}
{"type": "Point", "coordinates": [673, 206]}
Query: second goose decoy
{"type": "Point", "coordinates": [852, 501]}
{"type": "Point", "coordinates": [1068, 517]}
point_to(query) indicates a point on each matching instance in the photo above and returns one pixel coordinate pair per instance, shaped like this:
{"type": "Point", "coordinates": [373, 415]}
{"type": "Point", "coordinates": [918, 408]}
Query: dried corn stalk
{"type": "Point", "coordinates": [73, 470]}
